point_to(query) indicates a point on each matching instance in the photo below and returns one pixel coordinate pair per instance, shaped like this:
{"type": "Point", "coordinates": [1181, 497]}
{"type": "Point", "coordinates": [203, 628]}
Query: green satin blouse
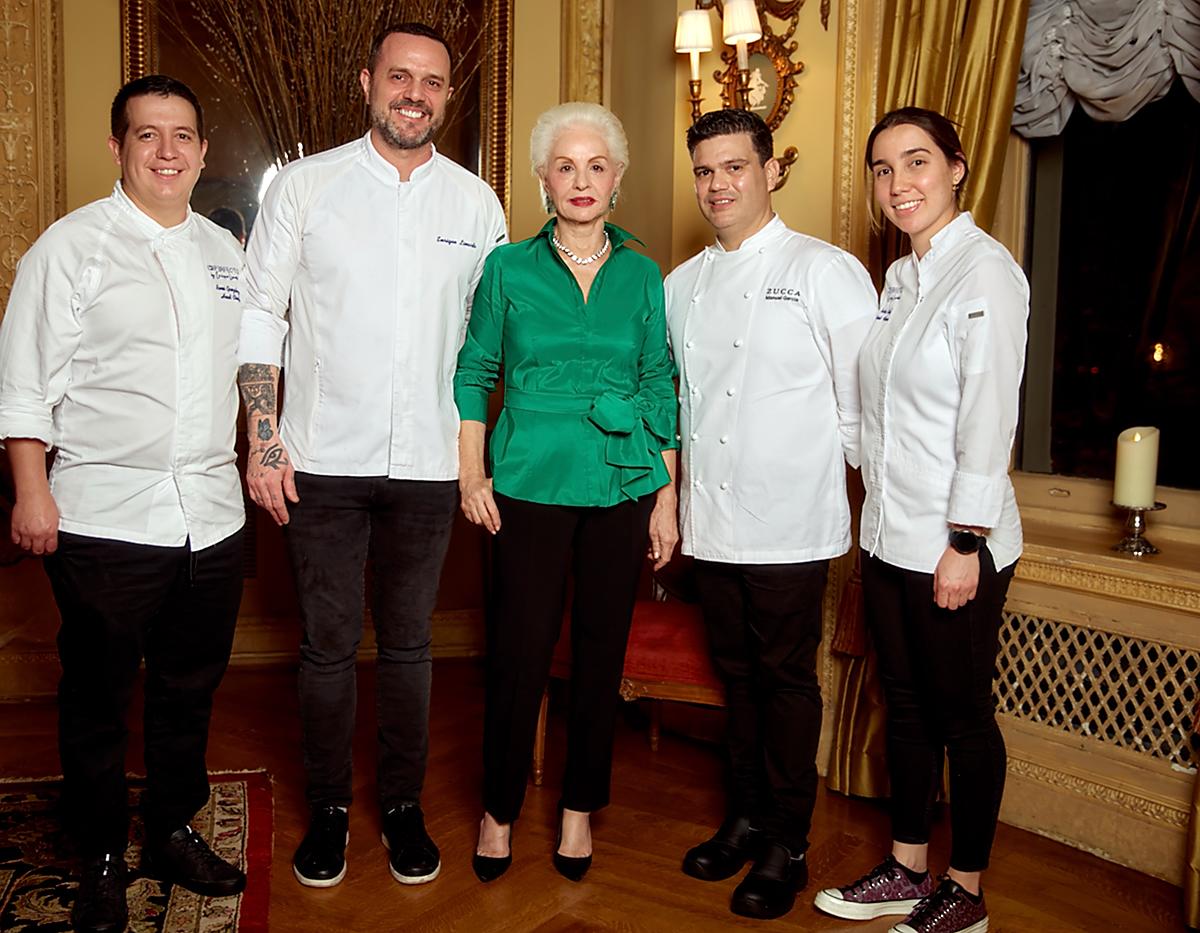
{"type": "Point", "coordinates": [589, 397]}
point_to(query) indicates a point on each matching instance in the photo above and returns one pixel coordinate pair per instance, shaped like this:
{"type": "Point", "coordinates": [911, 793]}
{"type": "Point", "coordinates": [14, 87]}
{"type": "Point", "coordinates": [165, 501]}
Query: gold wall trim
{"type": "Point", "coordinates": [583, 52]}
{"type": "Point", "coordinates": [137, 39]}
{"type": "Point", "coordinates": [32, 154]}
{"type": "Point", "coordinates": [496, 93]}
{"type": "Point", "coordinates": [1164, 813]}
{"type": "Point", "coordinates": [859, 29]}
{"type": "Point", "coordinates": [1037, 566]}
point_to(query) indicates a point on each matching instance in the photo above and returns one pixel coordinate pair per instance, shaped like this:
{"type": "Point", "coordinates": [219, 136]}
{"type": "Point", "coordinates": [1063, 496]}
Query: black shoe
{"type": "Point", "coordinates": [320, 860]}
{"type": "Point", "coordinates": [769, 888]}
{"type": "Point", "coordinates": [186, 860]}
{"type": "Point", "coordinates": [490, 867]}
{"type": "Point", "coordinates": [725, 853]}
{"type": "Point", "coordinates": [100, 901]}
{"type": "Point", "coordinates": [571, 867]}
{"type": "Point", "coordinates": [414, 858]}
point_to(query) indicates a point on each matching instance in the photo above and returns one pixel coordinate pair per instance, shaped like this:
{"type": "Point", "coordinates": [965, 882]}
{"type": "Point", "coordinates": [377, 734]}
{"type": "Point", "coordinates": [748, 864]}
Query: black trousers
{"type": "Point", "coordinates": [120, 603]}
{"type": "Point", "coordinates": [764, 628]}
{"type": "Point", "coordinates": [536, 546]}
{"type": "Point", "coordinates": [936, 666]}
{"type": "Point", "coordinates": [404, 526]}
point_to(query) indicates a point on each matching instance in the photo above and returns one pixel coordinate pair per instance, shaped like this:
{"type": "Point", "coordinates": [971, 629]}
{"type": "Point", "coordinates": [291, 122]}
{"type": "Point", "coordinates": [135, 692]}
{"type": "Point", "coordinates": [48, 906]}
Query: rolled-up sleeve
{"type": "Point", "coordinates": [847, 306]}
{"type": "Point", "coordinates": [39, 336]}
{"type": "Point", "coordinates": [482, 350]}
{"type": "Point", "coordinates": [987, 332]}
{"type": "Point", "coordinates": [271, 262]}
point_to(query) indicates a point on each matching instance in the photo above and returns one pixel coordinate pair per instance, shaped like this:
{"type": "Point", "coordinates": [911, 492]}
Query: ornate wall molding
{"type": "Point", "coordinates": [137, 39]}
{"type": "Point", "coordinates": [1176, 817]}
{"type": "Point", "coordinates": [1037, 568]}
{"type": "Point", "coordinates": [496, 93]}
{"type": "Point", "coordinates": [583, 54]}
{"type": "Point", "coordinates": [32, 155]}
{"type": "Point", "coordinates": [858, 34]}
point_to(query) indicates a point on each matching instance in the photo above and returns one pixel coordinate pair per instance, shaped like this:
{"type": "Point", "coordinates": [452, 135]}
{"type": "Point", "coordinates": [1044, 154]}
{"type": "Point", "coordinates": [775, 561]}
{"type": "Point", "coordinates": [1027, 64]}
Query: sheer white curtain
{"type": "Point", "coordinates": [1111, 56]}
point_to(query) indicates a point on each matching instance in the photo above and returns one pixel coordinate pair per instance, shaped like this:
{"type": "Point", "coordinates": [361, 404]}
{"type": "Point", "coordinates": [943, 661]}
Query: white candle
{"type": "Point", "coordinates": [695, 65]}
{"type": "Point", "coordinates": [1137, 468]}
{"type": "Point", "coordinates": [743, 55]}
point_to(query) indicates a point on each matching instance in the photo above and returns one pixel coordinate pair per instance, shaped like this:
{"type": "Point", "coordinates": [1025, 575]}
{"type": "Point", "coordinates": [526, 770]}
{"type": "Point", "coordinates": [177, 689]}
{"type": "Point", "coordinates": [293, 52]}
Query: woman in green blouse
{"type": "Point", "coordinates": [583, 462]}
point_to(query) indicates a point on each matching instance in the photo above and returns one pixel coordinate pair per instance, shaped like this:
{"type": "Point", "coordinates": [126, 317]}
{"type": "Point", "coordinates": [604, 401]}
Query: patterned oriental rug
{"type": "Point", "coordinates": [37, 864]}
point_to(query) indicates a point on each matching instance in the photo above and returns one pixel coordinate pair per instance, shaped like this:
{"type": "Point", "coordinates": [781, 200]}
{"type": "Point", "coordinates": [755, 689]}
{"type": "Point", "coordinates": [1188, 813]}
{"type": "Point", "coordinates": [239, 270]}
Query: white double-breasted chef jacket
{"type": "Point", "coordinates": [766, 339]}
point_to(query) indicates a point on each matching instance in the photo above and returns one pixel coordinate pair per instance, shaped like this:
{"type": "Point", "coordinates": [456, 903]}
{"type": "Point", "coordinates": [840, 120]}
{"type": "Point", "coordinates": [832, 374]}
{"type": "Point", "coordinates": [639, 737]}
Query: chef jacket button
{"type": "Point", "coordinates": [695, 391]}
{"type": "Point", "coordinates": [738, 342]}
{"type": "Point", "coordinates": [677, 437]}
{"type": "Point", "coordinates": [690, 344]}
{"type": "Point", "coordinates": [731, 391]}
{"type": "Point", "coordinates": [695, 482]}
{"type": "Point", "coordinates": [724, 485]}
{"type": "Point", "coordinates": [695, 436]}
{"type": "Point", "coordinates": [747, 294]}
{"type": "Point", "coordinates": [761, 250]}
{"type": "Point", "coordinates": [724, 438]}
{"type": "Point", "coordinates": [695, 298]}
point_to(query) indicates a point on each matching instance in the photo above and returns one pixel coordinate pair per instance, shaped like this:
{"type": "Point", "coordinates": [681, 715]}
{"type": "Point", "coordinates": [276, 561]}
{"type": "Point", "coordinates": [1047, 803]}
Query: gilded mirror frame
{"type": "Point", "coordinates": [495, 130]}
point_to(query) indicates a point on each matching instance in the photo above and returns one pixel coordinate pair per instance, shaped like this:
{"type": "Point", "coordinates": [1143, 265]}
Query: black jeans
{"type": "Point", "coordinates": [936, 666]}
{"type": "Point", "coordinates": [536, 545]}
{"type": "Point", "coordinates": [120, 603]}
{"type": "Point", "coordinates": [404, 526]}
{"type": "Point", "coordinates": [764, 628]}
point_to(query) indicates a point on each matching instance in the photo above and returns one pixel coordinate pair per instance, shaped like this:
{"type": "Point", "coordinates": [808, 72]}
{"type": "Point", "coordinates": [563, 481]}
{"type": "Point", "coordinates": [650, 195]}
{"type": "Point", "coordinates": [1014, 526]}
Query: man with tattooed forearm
{"type": "Point", "coordinates": [360, 271]}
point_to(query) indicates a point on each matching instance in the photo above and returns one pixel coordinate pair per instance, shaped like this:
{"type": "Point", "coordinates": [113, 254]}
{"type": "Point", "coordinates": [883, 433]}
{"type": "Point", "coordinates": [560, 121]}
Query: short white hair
{"type": "Point", "coordinates": [551, 124]}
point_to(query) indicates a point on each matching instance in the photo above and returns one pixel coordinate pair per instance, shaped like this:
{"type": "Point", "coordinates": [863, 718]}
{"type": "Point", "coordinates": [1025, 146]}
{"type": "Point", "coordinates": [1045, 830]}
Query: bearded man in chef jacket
{"type": "Point", "coordinates": [765, 325]}
{"type": "Point", "coordinates": [119, 350]}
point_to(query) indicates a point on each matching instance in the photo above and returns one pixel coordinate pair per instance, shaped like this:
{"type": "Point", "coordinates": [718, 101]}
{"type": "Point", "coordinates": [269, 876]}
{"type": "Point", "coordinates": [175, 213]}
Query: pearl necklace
{"type": "Point", "coordinates": [580, 260]}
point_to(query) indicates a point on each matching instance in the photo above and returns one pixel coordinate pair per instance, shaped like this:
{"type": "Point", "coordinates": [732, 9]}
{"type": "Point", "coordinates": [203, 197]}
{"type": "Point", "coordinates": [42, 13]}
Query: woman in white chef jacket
{"type": "Point", "coordinates": [939, 374]}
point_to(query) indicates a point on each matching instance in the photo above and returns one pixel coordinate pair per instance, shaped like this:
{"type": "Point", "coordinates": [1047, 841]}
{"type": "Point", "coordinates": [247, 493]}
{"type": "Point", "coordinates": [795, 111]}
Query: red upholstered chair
{"type": "Point", "coordinates": [667, 659]}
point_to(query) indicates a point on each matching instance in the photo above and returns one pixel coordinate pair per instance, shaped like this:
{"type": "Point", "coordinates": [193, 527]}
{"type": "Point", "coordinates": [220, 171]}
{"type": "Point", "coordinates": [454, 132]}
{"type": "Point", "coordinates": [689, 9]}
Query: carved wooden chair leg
{"type": "Point", "coordinates": [655, 724]}
{"type": "Point", "coordinates": [539, 741]}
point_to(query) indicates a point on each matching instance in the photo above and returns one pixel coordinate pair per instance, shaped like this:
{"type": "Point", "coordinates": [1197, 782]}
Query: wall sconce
{"type": "Point", "coordinates": [693, 34]}
{"type": "Point", "coordinates": [761, 75]}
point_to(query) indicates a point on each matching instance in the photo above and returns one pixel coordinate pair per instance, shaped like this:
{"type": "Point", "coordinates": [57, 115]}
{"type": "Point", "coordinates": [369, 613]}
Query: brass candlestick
{"type": "Point", "coordinates": [694, 87]}
{"type": "Point", "coordinates": [1134, 543]}
{"type": "Point", "coordinates": [743, 88]}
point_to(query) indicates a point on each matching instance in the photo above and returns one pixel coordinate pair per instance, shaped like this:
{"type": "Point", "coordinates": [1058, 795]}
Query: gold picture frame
{"type": "Point", "coordinates": [138, 30]}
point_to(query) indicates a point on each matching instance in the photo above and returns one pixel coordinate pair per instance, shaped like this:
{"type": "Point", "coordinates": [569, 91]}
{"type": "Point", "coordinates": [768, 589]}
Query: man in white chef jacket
{"type": "Point", "coordinates": [119, 349]}
{"type": "Point", "coordinates": [765, 325]}
{"type": "Point", "coordinates": [360, 272]}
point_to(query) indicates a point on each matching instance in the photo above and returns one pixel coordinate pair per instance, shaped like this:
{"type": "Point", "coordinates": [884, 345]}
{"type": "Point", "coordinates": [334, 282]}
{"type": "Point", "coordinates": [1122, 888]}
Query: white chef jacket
{"type": "Point", "coordinates": [940, 374]}
{"type": "Point", "coordinates": [766, 338]}
{"type": "Point", "coordinates": [379, 274]}
{"type": "Point", "coordinates": [119, 348]}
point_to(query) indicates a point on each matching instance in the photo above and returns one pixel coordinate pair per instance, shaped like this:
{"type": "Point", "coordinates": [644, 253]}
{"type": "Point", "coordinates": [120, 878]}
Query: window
{"type": "Point", "coordinates": [1115, 275]}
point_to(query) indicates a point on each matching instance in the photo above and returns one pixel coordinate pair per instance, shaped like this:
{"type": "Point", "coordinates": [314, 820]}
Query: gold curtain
{"type": "Point", "coordinates": [960, 58]}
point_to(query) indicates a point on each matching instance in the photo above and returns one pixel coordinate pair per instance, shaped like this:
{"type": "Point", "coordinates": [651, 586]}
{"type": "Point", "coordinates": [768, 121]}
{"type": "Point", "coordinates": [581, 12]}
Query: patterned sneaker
{"type": "Point", "coordinates": [885, 889]}
{"type": "Point", "coordinates": [949, 909]}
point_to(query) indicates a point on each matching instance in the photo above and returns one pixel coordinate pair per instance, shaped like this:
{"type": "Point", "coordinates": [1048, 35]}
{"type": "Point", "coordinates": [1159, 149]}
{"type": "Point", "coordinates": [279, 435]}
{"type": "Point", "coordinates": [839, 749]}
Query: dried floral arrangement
{"type": "Point", "coordinates": [296, 62]}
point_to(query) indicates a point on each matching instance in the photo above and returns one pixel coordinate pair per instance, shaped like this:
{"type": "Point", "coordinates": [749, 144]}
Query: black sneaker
{"type": "Point", "coordinates": [723, 855]}
{"type": "Point", "coordinates": [414, 859]}
{"type": "Point", "coordinates": [186, 860]}
{"type": "Point", "coordinates": [100, 901]}
{"type": "Point", "coordinates": [769, 888]}
{"type": "Point", "coordinates": [320, 860]}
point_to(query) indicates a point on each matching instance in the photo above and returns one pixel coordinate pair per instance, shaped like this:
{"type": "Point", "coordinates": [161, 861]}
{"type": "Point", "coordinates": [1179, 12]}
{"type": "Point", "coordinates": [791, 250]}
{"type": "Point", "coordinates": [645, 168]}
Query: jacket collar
{"type": "Point", "coordinates": [143, 222]}
{"type": "Point", "coordinates": [773, 229]}
{"type": "Point", "coordinates": [386, 172]}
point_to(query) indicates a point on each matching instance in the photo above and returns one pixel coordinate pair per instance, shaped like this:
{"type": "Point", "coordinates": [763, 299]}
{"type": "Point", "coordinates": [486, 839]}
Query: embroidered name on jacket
{"type": "Point", "coordinates": [781, 293]}
{"type": "Point", "coordinates": [225, 280]}
{"type": "Point", "coordinates": [451, 241]}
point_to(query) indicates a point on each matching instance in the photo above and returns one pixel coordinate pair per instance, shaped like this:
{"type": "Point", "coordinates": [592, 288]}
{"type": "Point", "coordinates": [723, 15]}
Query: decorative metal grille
{"type": "Point", "coordinates": [1137, 694]}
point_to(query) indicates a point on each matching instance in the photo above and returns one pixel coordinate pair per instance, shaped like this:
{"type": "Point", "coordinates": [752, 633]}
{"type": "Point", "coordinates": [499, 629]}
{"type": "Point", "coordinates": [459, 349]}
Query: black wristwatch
{"type": "Point", "coordinates": [965, 542]}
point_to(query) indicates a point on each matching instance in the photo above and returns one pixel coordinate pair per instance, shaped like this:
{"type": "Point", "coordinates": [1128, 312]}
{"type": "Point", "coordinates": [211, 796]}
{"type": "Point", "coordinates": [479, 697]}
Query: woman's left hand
{"type": "Point", "coordinates": [955, 579]}
{"type": "Point", "coordinates": [664, 528]}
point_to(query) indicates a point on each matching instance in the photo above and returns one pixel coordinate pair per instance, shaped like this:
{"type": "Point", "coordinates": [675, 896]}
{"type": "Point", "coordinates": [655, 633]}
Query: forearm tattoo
{"type": "Point", "coordinates": [258, 388]}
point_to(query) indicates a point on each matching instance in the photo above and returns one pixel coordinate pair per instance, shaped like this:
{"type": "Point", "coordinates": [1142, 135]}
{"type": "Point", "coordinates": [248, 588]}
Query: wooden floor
{"type": "Point", "coordinates": [662, 803]}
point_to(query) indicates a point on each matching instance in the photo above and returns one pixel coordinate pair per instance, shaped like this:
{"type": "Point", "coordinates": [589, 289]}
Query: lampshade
{"type": "Point", "coordinates": [741, 22]}
{"type": "Point", "coordinates": [693, 32]}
